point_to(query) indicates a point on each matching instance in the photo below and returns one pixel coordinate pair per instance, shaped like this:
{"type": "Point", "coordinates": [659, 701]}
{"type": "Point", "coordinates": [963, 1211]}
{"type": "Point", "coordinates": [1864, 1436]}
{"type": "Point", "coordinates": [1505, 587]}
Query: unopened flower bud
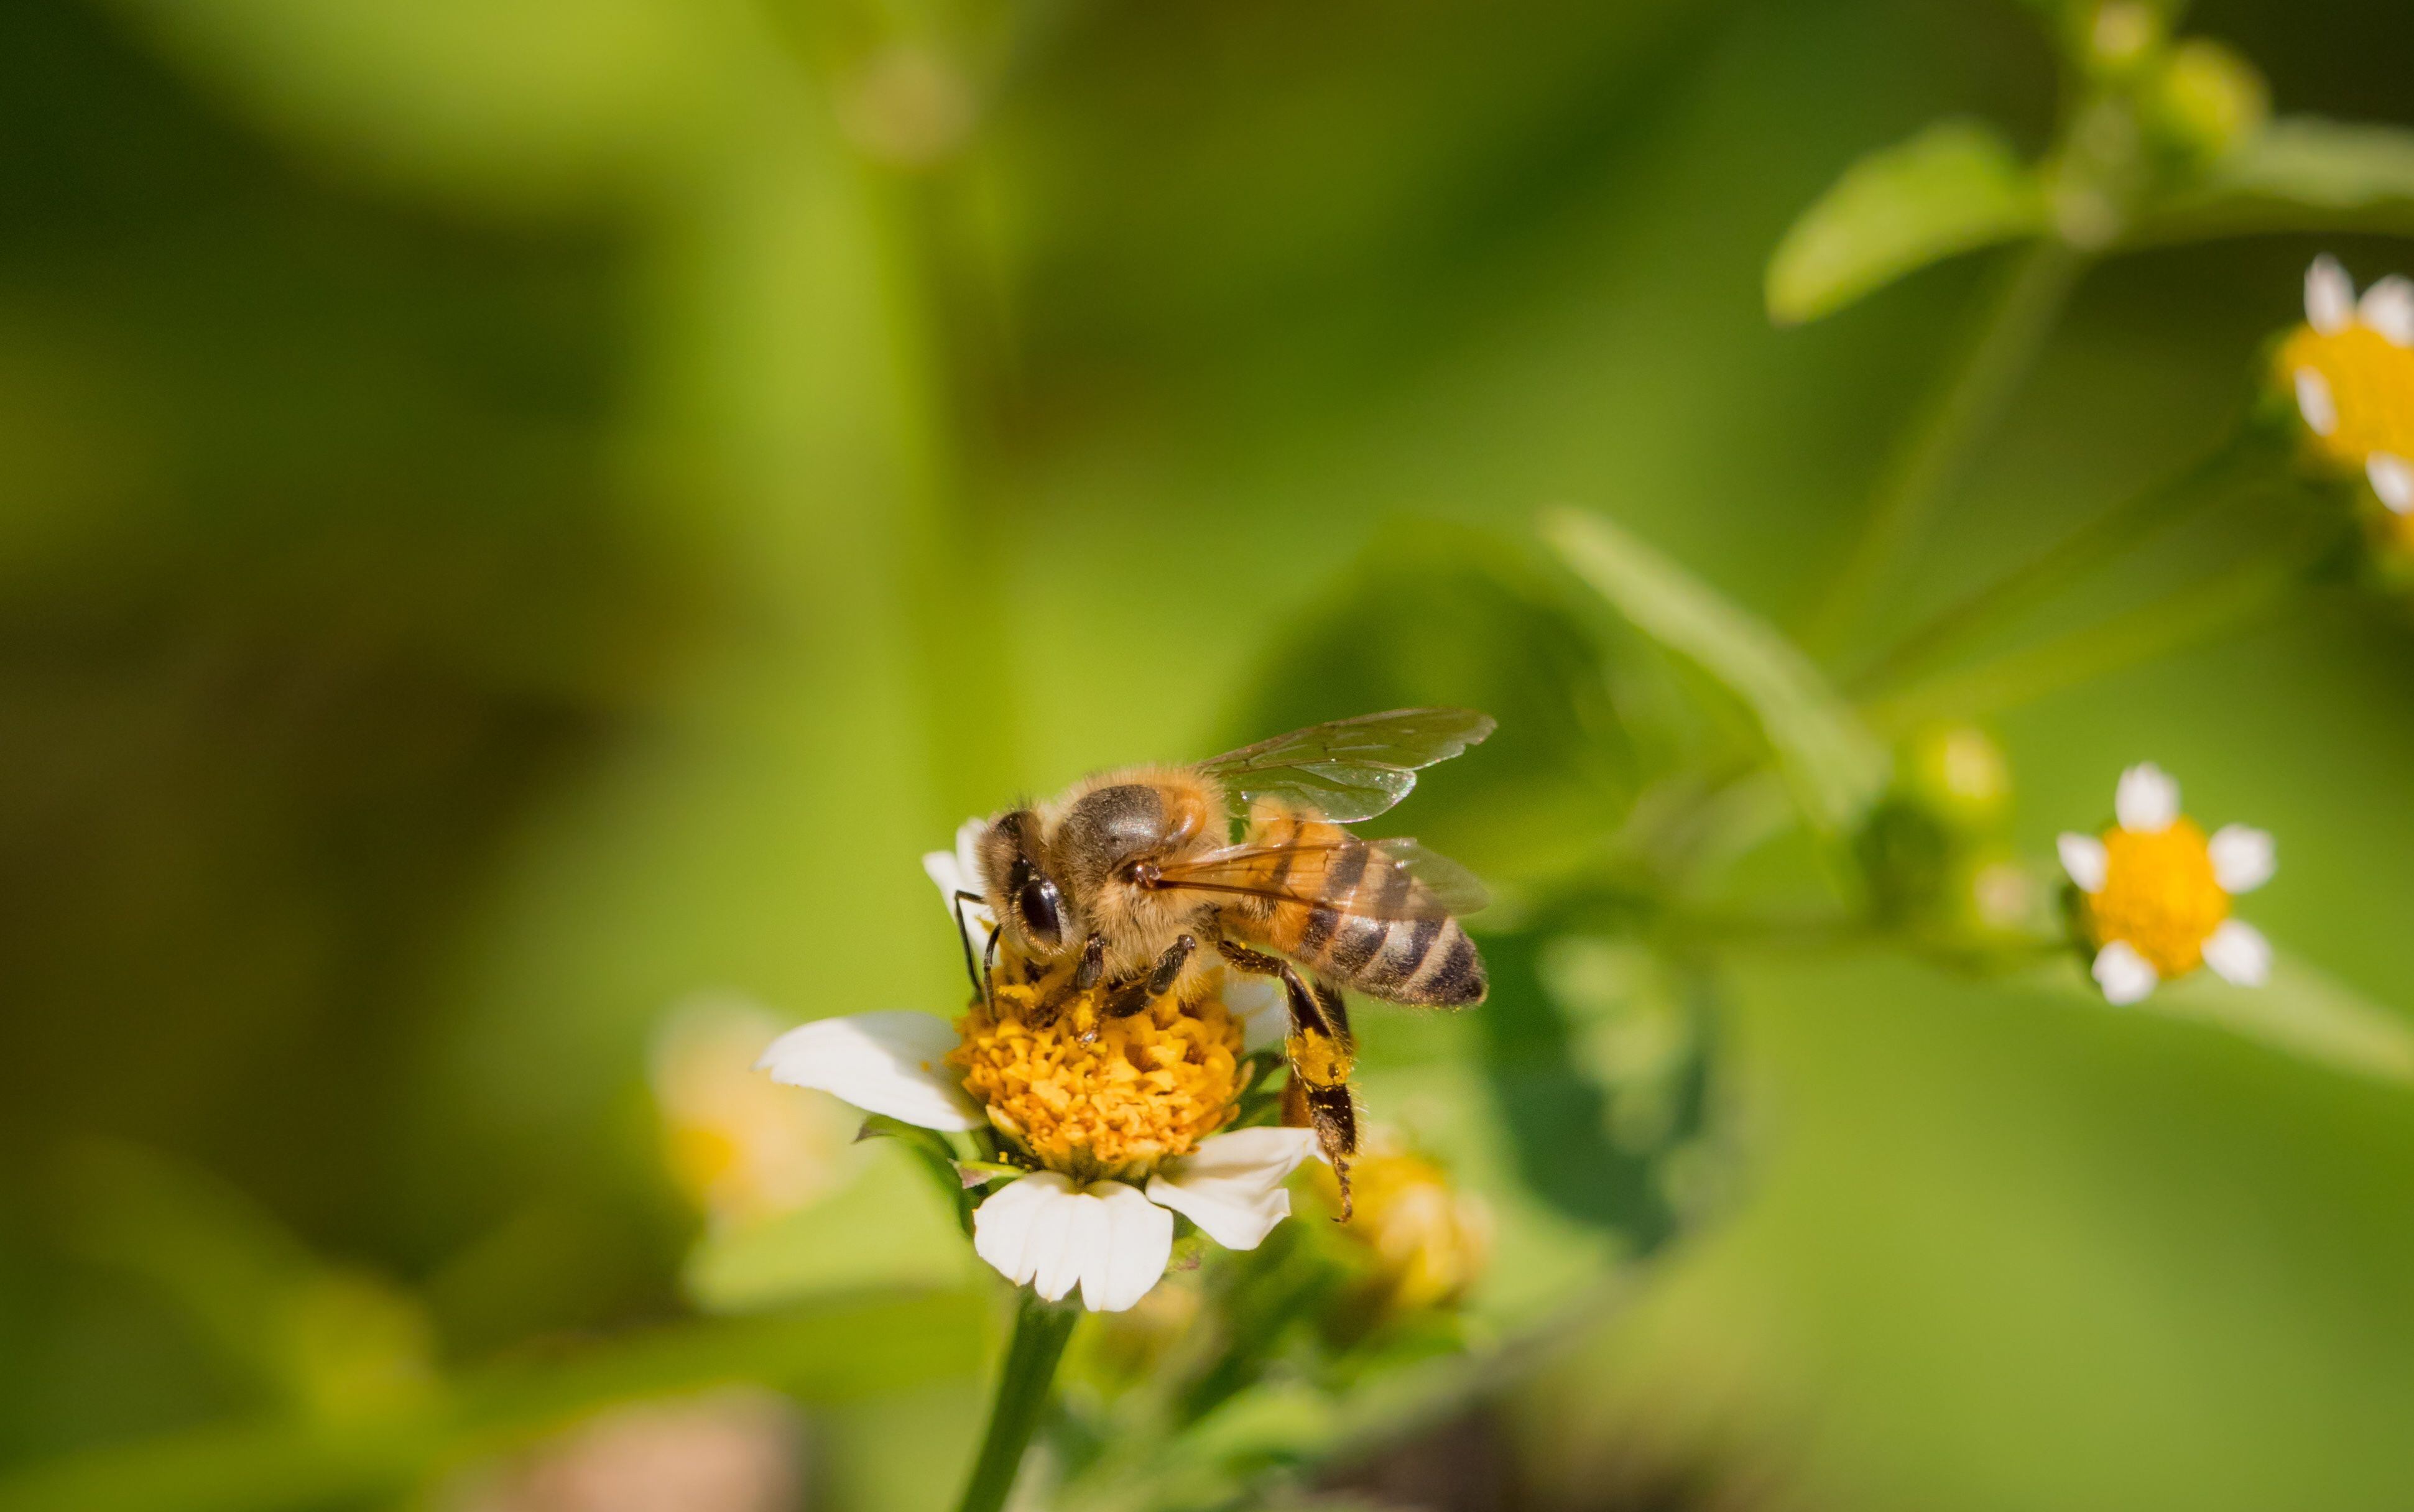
{"type": "Point", "coordinates": [2207, 99]}
{"type": "Point", "coordinates": [2120, 37]}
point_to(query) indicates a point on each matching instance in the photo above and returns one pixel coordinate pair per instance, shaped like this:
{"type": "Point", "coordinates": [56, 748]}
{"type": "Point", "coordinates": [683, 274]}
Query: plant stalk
{"type": "Point", "coordinates": [1930, 456]}
{"type": "Point", "coordinates": [2209, 479]}
{"type": "Point", "coordinates": [1040, 1331]}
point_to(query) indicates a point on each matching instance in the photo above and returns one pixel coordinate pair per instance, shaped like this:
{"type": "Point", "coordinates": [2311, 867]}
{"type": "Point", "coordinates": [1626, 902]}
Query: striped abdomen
{"type": "Point", "coordinates": [1357, 915]}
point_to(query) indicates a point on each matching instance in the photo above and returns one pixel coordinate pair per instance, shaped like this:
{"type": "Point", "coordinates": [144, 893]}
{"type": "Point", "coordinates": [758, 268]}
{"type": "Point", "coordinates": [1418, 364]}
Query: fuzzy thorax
{"type": "Point", "coordinates": [1096, 1097]}
{"type": "Point", "coordinates": [2160, 894]}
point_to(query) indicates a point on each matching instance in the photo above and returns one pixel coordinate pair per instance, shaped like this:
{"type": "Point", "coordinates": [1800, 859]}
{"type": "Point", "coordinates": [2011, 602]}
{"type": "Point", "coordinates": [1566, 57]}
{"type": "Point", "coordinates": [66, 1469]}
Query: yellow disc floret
{"type": "Point", "coordinates": [2370, 381]}
{"type": "Point", "coordinates": [1098, 1097]}
{"type": "Point", "coordinates": [2160, 895]}
{"type": "Point", "coordinates": [1427, 1241]}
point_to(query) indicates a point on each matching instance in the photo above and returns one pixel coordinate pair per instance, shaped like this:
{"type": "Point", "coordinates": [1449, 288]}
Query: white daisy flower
{"type": "Point", "coordinates": [2157, 892]}
{"type": "Point", "coordinates": [740, 1148]}
{"type": "Point", "coordinates": [1118, 1150]}
{"type": "Point", "coordinates": [2351, 368]}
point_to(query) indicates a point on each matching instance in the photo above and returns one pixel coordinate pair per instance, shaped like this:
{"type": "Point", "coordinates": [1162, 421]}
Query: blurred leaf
{"type": "Point", "coordinates": [886, 1228]}
{"type": "Point", "coordinates": [1835, 766]}
{"type": "Point", "coordinates": [2305, 1011]}
{"type": "Point", "coordinates": [836, 1352]}
{"type": "Point", "coordinates": [2300, 173]}
{"type": "Point", "coordinates": [1593, 1144]}
{"type": "Point", "coordinates": [525, 105]}
{"type": "Point", "coordinates": [337, 1342]}
{"type": "Point", "coordinates": [1954, 187]}
{"type": "Point", "coordinates": [1438, 615]}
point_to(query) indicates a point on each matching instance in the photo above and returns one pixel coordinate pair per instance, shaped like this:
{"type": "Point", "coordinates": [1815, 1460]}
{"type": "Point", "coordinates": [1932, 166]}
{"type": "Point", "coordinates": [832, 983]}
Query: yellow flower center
{"type": "Point", "coordinates": [2371, 383]}
{"type": "Point", "coordinates": [2160, 896]}
{"type": "Point", "coordinates": [1427, 1241]}
{"type": "Point", "coordinates": [1098, 1097]}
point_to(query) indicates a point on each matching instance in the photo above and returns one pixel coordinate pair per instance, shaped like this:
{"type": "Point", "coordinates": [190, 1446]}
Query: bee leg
{"type": "Point", "coordinates": [964, 937]}
{"type": "Point", "coordinates": [1321, 1056]}
{"type": "Point", "coordinates": [988, 981]}
{"type": "Point", "coordinates": [1085, 977]}
{"type": "Point", "coordinates": [1139, 992]}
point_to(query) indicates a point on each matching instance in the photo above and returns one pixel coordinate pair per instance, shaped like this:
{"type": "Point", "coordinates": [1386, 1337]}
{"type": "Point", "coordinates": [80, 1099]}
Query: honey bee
{"type": "Point", "coordinates": [1134, 881]}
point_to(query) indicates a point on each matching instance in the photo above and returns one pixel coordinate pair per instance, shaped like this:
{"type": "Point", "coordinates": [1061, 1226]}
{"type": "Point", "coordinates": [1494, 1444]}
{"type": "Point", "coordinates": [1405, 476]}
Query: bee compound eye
{"type": "Point", "coordinates": [1040, 906]}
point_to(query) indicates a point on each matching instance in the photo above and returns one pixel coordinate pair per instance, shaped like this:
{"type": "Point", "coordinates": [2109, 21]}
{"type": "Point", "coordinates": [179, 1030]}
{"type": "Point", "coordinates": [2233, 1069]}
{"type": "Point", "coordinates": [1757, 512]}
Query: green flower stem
{"type": "Point", "coordinates": [2212, 478]}
{"type": "Point", "coordinates": [1040, 1331]}
{"type": "Point", "coordinates": [2181, 620]}
{"type": "Point", "coordinates": [1930, 456]}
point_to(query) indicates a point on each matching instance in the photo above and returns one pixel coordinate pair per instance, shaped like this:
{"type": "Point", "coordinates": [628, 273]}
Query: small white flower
{"type": "Point", "coordinates": [2387, 308]}
{"type": "Point", "coordinates": [2391, 481]}
{"type": "Point", "coordinates": [2146, 799]}
{"type": "Point", "coordinates": [2123, 974]}
{"type": "Point", "coordinates": [1043, 1228]}
{"type": "Point", "coordinates": [2156, 892]}
{"type": "Point", "coordinates": [2084, 858]}
{"type": "Point", "coordinates": [2330, 296]}
{"type": "Point", "coordinates": [2239, 954]}
{"type": "Point", "coordinates": [2243, 858]}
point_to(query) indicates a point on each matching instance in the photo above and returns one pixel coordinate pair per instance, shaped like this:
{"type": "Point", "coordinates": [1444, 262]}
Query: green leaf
{"type": "Point", "coordinates": [2305, 1011]}
{"type": "Point", "coordinates": [2299, 173]}
{"type": "Point", "coordinates": [1835, 767]}
{"type": "Point", "coordinates": [1953, 188]}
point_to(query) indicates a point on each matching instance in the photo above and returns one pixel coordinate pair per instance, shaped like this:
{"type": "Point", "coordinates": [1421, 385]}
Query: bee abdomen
{"type": "Point", "coordinates": [1376, 947]}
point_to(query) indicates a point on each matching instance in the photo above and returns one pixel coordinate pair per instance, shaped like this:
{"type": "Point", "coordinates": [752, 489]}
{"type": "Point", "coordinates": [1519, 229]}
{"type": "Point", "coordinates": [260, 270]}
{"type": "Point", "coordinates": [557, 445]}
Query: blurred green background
{"type": "Point", "coordinates": [514, 514]}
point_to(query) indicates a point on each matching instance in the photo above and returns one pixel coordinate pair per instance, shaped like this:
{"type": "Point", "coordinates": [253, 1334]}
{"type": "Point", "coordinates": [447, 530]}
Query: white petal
{"type": "Point", "coordinates": [1258, 1002]}
{"type": "Point", "coordinates": [1232, 1185]}
{"type": "Point", "coordinates": [2083, 857]}
{"type": "Point", "coordinates": [1004, 1224]}
{"type": "Point", "coordinates": [2146, 799]}
{"type": "Point", "coordinates": [1044, 1231]}
{"type": "Point", "coordinates": [2314, 402]}
{"type": "Point", "coordinates": [2387, 308]}
{"type": "Point", "coordinates": [890, 1062]}
{"type": "Point", "coordinates": [2392, 480]}
{"type": "Point", "coordinates": [1136, 1236]}
{"type": "Point", "coordinates": [2125, 975]}
{"type": "Point", "coordinates": [2330, 296]}
{"type": "Point", "coordinates": [2241, 858]}
{"type": "Point", "coordinates": [2239, 954]}
{"type": "Point", "coordinates": [959, 870]}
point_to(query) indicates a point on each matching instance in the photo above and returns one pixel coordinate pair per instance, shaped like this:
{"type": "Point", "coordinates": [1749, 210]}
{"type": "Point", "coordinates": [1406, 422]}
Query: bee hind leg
{"type": "Point", "coordinates": [1323, 1054]}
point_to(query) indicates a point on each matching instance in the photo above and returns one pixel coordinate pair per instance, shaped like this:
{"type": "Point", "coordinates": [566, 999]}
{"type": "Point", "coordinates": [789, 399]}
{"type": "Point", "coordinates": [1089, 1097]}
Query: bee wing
{"type": "Point", "coordinates": [1300, 873]}
{"type": "Point", "coordinates": [1350, 769]}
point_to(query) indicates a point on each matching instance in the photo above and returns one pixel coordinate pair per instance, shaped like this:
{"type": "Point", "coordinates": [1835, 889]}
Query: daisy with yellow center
{"type": "Point", "coordinates": [740, 1148]}
{"type": "Point", "coordinates": [1425, 1241]}
{"type": "Point", "coordinates": [2351, 368]}
{"type": "Point", "coordinates": [1119, 1123]}
{"type": "Point", "coordinates": [2155, 892]}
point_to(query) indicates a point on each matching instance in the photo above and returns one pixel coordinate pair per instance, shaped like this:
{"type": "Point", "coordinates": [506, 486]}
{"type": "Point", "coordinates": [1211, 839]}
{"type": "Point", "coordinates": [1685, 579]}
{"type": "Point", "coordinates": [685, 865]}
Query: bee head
{"type": "Point", "coordinates": [1028, 903]}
